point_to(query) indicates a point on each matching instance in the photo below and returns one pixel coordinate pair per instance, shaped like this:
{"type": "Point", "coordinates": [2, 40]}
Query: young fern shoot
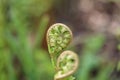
{"type": "Point", "coordinates": [65, 62]}
{"type": "Point", "coordinates": [58, 38]}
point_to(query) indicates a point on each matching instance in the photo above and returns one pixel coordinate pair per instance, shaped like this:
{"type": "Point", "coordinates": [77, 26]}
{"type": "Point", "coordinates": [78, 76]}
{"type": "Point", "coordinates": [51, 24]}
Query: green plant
{"type": "Point", "coordinates": [65, 62]}
{"type": "Point", "coordinates": [20, 44]}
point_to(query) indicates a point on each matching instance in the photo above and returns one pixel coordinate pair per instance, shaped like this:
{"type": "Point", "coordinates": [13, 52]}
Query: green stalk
{"type": "Point", "coordinates": [41, 30]}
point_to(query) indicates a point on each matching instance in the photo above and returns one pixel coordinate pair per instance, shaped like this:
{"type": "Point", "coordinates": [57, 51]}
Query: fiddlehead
{"type": "Point", "coordinates": [58, 38]}
{"type": "Point", "coordinates": [67, 64]}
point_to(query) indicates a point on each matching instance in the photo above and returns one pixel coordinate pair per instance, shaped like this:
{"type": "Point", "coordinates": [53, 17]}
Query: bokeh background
{"type": "Point", "coordinates": [95, 25]}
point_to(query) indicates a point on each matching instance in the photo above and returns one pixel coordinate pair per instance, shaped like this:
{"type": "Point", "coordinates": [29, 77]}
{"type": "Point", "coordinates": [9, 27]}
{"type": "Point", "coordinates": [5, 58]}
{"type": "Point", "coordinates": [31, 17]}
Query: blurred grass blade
{"type": "Point", "coordinates": [9, 62]}
{"type": "Point", "coordinates": [88, 59]}
{"type": "Point", "coordinates": [41, 31]}
{"type": "Point", "coordinates": [105, 72]}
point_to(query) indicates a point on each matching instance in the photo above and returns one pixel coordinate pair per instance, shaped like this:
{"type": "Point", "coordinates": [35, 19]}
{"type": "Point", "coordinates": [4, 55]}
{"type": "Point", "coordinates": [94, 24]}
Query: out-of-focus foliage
{"type": "Point", "coordinates": [44, 67]}
{"type": "Point", "coordinates": [21, 58]}
{"type": "Point", "coordinates": [91, 61]}
{"type": "Point", "coordinates": [22, 28]}
{"type": "Point", "coordinates": [34, 7]}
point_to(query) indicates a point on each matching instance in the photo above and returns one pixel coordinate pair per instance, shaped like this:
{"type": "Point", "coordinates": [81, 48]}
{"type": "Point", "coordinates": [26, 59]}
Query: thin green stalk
{"type": "Point", "coordinates": [41, 30]}
{"type": "Point", "coordinates": [11, 71]}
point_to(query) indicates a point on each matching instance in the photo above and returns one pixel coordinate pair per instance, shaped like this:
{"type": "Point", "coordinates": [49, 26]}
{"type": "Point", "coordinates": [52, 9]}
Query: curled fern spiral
{"type": "Point", "coordinates": [58, 37]}
{"type": "Point", "coordinates": [65, 62]}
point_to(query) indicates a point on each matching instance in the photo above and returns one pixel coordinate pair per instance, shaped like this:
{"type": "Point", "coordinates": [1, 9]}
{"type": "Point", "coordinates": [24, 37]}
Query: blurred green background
{"type": "Point", "coordinates": [23, 48]}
